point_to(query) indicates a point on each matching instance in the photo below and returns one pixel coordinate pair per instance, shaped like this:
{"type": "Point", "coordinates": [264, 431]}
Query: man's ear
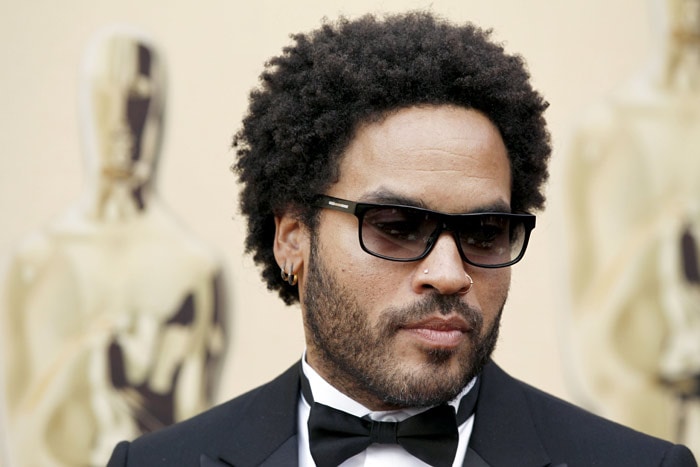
{"type": "Point", "coordinates": [291, 243]}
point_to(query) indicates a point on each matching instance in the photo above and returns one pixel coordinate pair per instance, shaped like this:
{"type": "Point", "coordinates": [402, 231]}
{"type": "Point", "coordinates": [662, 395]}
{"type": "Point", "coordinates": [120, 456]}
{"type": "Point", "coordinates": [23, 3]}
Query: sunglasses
{"type": "Point", "coordinates": [406, 233]}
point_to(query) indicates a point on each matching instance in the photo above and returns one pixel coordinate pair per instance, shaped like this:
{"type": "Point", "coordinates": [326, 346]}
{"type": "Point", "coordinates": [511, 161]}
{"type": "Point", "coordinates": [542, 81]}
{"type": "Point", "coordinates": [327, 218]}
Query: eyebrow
{"type": "Point", "coordinates": [384, 196]}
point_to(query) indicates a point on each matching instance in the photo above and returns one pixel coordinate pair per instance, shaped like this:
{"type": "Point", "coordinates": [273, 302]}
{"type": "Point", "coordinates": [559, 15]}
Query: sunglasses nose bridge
{"type": "Point", "coordinates": [444, 225]}
{"type": "Point", "coordinates": [440, 226]}
{"type": "Point", "coordinates": [452, 225]}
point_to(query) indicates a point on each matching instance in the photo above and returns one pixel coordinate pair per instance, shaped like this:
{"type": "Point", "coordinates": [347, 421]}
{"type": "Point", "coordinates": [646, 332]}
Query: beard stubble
{"type": "Point", "coordinates": [360, 359]}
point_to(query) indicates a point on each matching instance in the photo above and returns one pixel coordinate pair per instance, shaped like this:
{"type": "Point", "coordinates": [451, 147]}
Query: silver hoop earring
{"type": "Point", "coordinates": [289, 277]}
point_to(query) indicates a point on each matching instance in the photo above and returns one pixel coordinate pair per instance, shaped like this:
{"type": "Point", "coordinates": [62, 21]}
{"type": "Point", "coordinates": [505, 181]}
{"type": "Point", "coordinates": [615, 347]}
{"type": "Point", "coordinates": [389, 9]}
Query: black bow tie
{"type": "Point", "coordinates": [431, 436]}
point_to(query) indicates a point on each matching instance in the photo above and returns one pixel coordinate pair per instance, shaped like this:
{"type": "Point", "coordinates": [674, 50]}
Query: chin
{"type": "Point", "coordinates": [441, 357]}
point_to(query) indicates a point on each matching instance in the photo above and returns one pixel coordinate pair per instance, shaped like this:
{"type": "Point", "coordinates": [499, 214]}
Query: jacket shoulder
{"type": "Point", "coordinates": [570, 432]}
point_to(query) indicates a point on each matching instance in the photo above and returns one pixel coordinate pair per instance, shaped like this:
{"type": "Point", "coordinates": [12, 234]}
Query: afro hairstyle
{"type": "Point", "coordinates": [313, 96]}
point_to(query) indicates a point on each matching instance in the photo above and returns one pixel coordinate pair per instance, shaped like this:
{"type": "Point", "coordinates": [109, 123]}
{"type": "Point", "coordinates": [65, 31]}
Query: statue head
{"type": "Point", "coordinates": [122, 98]}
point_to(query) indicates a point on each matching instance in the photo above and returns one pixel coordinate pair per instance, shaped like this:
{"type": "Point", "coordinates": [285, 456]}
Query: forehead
{"type": "Point", "coordinates": [447, 158]}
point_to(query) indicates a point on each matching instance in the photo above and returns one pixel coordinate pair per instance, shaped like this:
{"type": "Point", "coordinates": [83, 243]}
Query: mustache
{"type": "Point", "coordinates": [395, 318]}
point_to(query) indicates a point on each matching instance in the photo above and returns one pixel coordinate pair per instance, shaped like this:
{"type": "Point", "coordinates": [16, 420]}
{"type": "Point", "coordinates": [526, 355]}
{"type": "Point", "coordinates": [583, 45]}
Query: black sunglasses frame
{"type": "Point", "coordinates": [449, 222]}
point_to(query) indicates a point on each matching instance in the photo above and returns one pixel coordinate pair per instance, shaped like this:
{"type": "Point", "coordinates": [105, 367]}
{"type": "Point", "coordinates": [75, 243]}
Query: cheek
{"type": "Point", "coordinates": [373, 282]}
{"type": "Point", "coordinates": [340, 240]}
{"type": "Point", "coordinates": [491, 290]}
{"type": "Point", "coordinates": [355, 270]}
{"type": "Point", "coordinates": [341, 250]}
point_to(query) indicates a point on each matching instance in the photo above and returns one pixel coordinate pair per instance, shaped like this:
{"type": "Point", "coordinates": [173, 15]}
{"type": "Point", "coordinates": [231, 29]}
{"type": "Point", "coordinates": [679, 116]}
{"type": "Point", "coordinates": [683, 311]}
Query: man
{"type": "Point", "coordinates": [388, 166]}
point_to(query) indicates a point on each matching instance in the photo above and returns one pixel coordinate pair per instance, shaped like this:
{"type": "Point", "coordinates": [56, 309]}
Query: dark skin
{"type": "Point", "coordinates": [391, 334]}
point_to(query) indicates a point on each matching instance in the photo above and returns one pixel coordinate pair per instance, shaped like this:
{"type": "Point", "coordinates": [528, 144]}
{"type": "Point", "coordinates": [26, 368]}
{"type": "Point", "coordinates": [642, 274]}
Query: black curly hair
{"type": "Point", "coordinates": [314, 95]}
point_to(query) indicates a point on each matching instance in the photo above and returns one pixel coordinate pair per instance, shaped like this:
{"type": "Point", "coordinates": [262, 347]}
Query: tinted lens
{"type": "Point", "coordinates": [491, 239]}
{"type": "Point", "coordinates": [398, 233]}
{"type": "Point", "coordinates": [404, 233]}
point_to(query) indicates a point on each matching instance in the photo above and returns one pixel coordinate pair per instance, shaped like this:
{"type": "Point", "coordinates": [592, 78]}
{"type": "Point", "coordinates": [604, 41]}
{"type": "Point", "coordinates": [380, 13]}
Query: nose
{"type": "Point", "coordinates": [442, 270]}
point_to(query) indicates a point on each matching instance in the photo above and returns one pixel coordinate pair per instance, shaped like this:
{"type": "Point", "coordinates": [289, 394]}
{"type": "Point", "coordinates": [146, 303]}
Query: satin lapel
{"type": "Point", "coordinates": [504, 433]}
{"type": "Point", "coordinates": [266, 431]}
{"type": "Point", "coordinates": [287, 455]}
{"type": "Point", "coordinates": [206, 461]}
{"type": "Point", "coordinates": [472, 459]}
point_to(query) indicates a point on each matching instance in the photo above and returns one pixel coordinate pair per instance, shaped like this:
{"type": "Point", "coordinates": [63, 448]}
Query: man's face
{"type": "Point", "coordinates": [392, 334]}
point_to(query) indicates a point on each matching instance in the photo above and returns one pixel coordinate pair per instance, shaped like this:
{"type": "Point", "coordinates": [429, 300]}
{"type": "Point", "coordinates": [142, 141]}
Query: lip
{"type": "Point", "coordinates": [441, 332]}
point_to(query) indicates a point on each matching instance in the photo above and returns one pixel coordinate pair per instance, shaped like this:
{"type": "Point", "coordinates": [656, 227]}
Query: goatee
{"type": "Point", "coordinates": [359, 358]}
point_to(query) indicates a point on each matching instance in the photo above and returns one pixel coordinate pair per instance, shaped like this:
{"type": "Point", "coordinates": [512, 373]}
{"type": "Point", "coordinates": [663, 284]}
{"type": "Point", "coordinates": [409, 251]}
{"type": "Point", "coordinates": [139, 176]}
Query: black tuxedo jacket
{"type": "Point", "coordinates": [516, 426]}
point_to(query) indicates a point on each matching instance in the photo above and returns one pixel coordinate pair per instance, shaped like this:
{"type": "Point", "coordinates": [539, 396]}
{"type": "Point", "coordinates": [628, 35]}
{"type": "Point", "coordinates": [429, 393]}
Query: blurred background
{"type": "Point", "coordinates": [578, 52]}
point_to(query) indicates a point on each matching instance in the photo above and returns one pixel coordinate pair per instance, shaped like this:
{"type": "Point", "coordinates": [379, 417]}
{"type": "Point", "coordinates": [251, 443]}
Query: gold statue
{"type": "Point", "coordinates": [112, 315]}
{"type": "Point", "coordinates": [634, 218]}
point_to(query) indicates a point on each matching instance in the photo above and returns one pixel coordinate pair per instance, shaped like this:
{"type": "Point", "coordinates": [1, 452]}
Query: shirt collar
{"type": "Point", "coordinates": [324, 393]}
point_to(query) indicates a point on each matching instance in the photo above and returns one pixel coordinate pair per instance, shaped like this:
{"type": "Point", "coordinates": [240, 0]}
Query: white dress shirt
{"type": "Point", "coordinates": [376, 455]}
